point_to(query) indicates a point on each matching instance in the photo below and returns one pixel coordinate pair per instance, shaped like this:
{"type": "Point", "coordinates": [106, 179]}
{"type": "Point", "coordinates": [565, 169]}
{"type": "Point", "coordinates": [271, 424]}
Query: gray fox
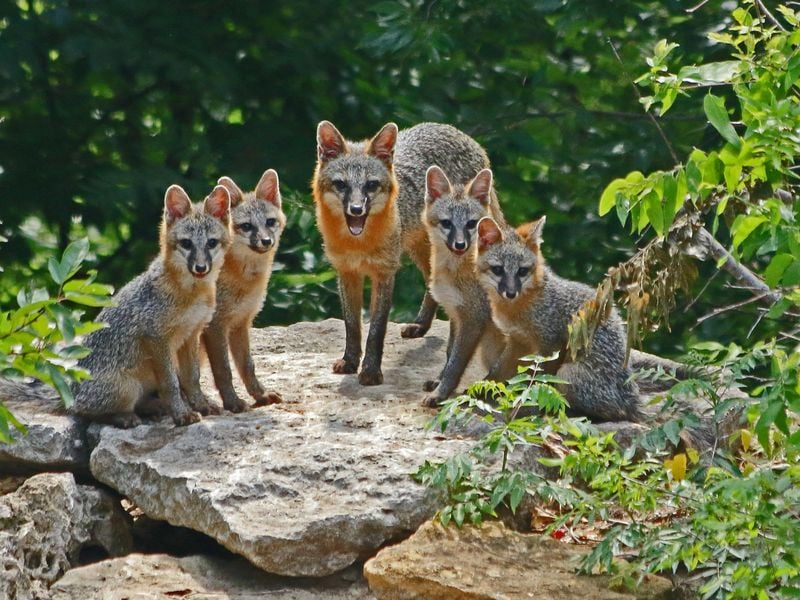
{"type": "Point", "coordinates": [257, 222]}
{"type": "Point", "coordinates": [150, 344]}
{"type": "Point", "coordinates": [533, 307]}
{"type": "Point", "coordinates": [451, 217]}
{"type": "Point", "coordinates": [369, 198]}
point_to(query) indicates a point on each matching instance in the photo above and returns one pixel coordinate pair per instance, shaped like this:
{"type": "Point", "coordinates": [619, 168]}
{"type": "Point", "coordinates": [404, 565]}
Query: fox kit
{"type": "Point", "coordinates": [151, 342]}
{"type": "Point", "coordinates": [451, 217]}
{"type": "Point", "coordinates": [533, 307]}
{"type": "Point", "coordinates": [369, 198]}
{"type": "Point", "coordinates": [257, 223]}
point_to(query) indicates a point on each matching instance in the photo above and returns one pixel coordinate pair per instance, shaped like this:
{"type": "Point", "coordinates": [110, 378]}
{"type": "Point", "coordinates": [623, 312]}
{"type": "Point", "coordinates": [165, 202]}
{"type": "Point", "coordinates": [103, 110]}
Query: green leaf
{"type": "Point", "coordinates": [744, 226]}
{"type": "Point", "coordinates": [54, 267]}
{"type": "Point", "coordinates": [655, 212]}
{"type": "Point", "coordinates": [6, 418]}
{"type": "Point", "coordinates": [714, 107]}
{"type": "Point", "coordinates": [73, 258]}
{"type": "Point", "coordinates": [608, 199]}
{"type": "Point", "coordinates": [717, 72]}
{"type": "Point", "coordinates": [776, 268]}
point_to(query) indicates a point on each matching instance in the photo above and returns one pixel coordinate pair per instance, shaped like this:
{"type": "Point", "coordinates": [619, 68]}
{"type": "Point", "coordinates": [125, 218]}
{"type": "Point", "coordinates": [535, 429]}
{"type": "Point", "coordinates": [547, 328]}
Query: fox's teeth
{"type": "Point", "coordinates": [356, 224]}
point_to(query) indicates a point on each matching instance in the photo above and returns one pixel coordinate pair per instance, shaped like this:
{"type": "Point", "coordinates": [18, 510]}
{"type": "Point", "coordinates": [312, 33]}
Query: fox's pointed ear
{"type": "Point", "coordinates": [488, 233]}
{"type": "Point", "coordinates": [382, 145]}
{"type": "Point", "coordinates": [218, 203]}
{"type": "Point", "coordinates": [330, 143]}
{"type": "Point", "coordinates": [436, 184]}
{"type": "Point", "coordinates": [176, 204]}
{"type": "Point", "coordinates": [480, 188]}
{"type": "Point", "coordinates": [268, 188]}
{"type": "Point", "coordinates": [532, 233]}
{"type": "Point", "coordinates": [235, 192]}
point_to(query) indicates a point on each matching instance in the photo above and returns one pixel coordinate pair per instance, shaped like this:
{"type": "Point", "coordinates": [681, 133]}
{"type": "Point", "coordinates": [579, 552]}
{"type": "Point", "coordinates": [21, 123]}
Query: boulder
{"type": "Point", "coordinates": [489, 562]}
{"type": "Point", "coordinates": [161, 577]}
{"type": "Point", "coordinates": [55, 441]}
{"type": "Point", "coordinates": [303, 488]}
{"type": "Point", "coordinates": [45, 525]}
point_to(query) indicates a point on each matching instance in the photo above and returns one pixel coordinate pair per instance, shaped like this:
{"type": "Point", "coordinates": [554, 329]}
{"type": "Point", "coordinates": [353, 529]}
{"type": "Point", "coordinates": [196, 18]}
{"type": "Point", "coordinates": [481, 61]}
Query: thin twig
{"type": "Point", "coordinates": [761, 7]}
{"type": "Point", "coordinates": [653, 120]}
{"type": "Point", "coordinates": [699, 6]}
{"type": "Point", "coordinates": [735, 305]}
{"type": "Point", "coordinates": [701, 292]}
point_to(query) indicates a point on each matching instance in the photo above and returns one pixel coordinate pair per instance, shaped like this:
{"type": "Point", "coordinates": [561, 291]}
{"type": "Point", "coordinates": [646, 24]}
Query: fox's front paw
{"type": "Point", "coordinates": [235, 404]}
{"type": "Point", "coordinates": [414, 330]}
{"type": "Point", "coordinates": [186, 418]}
{"type": "Point", "coordinates": [345, 367]}
{"type": "Point", "coordinates": [370, 378]}
{"type": "Point", "coordinates": [204, 406]}
{"type": "Point", "coordinates": [432, 401]}
{"type": "Point", "coordinates": [267, 398]}
{"type": "Point", "coordinates": [430, 385]}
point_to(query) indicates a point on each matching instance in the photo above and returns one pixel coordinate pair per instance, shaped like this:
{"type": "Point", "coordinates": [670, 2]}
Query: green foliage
{"type": "Point", "coordinates": [473, 487]}
{"type": "Point", "coordinates": [104, 104]}
{"type": "Point", "coordinates": [729, 521]}
{"type": "Point", "coordinates": [40, 339]}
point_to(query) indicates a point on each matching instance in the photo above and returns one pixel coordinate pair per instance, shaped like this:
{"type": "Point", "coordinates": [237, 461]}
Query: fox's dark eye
{"type": "Point", "coordinates": [245, 227]}
{"type": "Point", "coordinates": [271, 222]}
{"type": "Point", "coordinates": [185, 243]}
{"type": "Point", "coordinates": [497, 269]}
{"type": "Point", "coordinates": [212, 243]}
{"type": "Point", "coordinates": [472, 224]}
{"type": "Point", "coordinates": [446, 223]}
{"type": "Point", "coordinates": [339, 185]}
{"type": "Point", "coordinates": [372, 186]}
{"type": "Point", "coordinates": [523, 271]}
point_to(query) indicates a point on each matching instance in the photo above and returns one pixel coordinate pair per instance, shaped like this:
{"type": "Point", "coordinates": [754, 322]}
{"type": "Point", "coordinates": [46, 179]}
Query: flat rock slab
{"type": "Point", "coordinates": [489, 562]}
{"type": "Point", "coordinates": [55, 441]}
{"type": "Point", "coordinates": [304, 488]}
{"type": "Point", "coordinates": [164, 577]}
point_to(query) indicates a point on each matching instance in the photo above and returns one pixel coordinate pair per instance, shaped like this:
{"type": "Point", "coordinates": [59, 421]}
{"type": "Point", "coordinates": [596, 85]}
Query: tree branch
{"type": "Point", "coordinates": [711, 248]}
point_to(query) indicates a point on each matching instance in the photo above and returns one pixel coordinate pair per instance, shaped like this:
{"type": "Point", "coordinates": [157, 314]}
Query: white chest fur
{"type": "Point", "coordinates": [447, 294]}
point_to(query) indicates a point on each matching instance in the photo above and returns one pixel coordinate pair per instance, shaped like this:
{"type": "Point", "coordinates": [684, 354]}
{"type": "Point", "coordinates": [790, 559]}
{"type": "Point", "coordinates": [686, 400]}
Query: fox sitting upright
{"type": "Point", "coordinates": [369, 198]}
{"type": "Point", "coordinates": [533, 307]}
{"type": "Point", "coordinates": [257, 223]}
{"type": "Point", "coordinates": [150, 344]}
{"type": "Point", "coordinates": [451, 217]}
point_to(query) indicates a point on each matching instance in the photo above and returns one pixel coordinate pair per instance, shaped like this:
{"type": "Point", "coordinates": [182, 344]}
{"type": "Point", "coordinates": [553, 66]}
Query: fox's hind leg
{"type": "Point", "coordinates": [420, 253]}
{"type": "Point", "coordinates": [109, 400]}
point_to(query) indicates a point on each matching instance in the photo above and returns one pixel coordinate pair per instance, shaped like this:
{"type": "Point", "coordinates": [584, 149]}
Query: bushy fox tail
{"type": "Point", "coordinates": [710, 431]}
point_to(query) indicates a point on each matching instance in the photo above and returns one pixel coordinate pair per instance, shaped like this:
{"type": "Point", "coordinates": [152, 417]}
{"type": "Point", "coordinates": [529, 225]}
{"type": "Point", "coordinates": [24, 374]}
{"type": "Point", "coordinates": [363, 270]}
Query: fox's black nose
{"type": "Point", "coordinates": [266, 242]}
{"type": "Point", "coordinates": [511, 294]}
{"type": "Point", "coordinates": [200, 268]}
{"type": "Point", "coordinates": [356, 209]}
{"type": "Point", "coordinates": [460, 245]}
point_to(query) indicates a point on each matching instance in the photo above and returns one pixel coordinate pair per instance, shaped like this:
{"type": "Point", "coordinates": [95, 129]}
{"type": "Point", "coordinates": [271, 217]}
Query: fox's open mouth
{"type": "Point", "coordinates": [261, 249]}
{"type": "Point", "coordinates": [356, 224]}
{"type": "Point", "coordinates": [458, 252]}
{"type": "Point", "coordinates": [199, 275]}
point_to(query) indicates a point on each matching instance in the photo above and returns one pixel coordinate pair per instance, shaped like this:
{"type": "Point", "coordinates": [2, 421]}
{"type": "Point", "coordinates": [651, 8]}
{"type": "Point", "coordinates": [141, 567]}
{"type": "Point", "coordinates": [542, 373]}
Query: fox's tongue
{"type": "Point", "coordinates": [356, 224]}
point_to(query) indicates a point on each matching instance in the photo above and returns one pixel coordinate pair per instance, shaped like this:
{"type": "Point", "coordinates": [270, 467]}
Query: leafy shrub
{"type": "Point", "coordinates": [40, 339]}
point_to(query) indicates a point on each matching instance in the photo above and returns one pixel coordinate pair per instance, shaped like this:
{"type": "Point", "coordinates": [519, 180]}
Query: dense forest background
{"type": "Point", "coordinates": [105, 104]}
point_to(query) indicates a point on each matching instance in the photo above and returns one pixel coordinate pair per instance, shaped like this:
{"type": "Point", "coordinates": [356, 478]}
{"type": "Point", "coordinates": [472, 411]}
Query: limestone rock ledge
{"type": "Point", "coordinates": [162, 577]}
{"type": "Point", "coordinates": [46, 523]}
{"type": "Point", "coordinates": [489, 562]}
{"type": "Point", "coordinates": [304, 488]}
